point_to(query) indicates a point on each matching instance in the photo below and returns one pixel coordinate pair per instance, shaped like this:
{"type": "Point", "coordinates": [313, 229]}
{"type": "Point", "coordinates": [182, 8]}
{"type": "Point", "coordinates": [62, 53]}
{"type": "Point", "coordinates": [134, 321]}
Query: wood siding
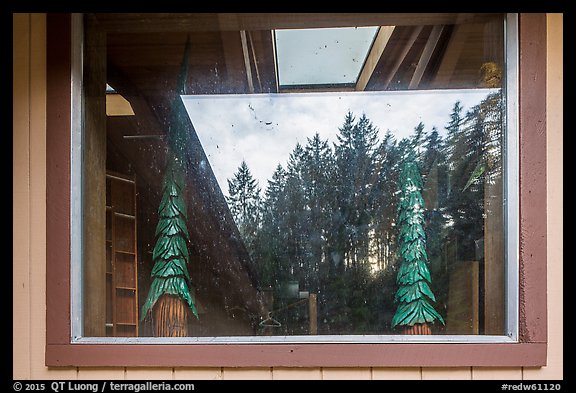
{"type": "Point", "coordinates": [29, 238]}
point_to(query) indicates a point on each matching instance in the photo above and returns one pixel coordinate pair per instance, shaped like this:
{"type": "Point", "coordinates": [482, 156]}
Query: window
{"type": "Point", "coordinates": [233, 195]}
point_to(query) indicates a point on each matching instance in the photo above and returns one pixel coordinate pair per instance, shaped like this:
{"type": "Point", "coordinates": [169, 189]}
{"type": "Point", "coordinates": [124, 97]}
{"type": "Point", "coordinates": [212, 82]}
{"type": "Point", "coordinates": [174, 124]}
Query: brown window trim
{"type": "Point", "coordinates": [530, 350]}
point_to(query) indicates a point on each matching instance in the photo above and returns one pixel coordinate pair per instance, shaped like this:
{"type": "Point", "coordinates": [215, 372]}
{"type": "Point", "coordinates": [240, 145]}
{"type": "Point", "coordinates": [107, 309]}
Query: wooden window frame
{"type": "Point", "coordinates": [530, 350]}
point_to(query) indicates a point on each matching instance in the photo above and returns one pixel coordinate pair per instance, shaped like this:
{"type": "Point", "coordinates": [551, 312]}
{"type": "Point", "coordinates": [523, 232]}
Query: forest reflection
{"type": "Point", "coordinates": [327, 218]}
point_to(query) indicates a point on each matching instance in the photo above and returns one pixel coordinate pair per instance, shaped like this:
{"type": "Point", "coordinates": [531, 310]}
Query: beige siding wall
{"type": "Point", "coordinates": [29, 238]}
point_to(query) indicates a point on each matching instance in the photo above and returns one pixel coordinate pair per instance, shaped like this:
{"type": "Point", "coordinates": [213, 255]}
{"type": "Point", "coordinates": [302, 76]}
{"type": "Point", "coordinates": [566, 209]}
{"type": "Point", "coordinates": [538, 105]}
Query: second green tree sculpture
{"type": "Point", "coordinates": [414, 295]}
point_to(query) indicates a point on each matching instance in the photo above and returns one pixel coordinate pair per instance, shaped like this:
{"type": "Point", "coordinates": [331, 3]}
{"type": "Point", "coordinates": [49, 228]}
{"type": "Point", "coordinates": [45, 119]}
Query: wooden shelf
{"type": "Point", "coordinates": [122, 256]}
{"type": "Point", "coordinates": [125, 252]}
{"type": "Point", "coordinates": [127, 216]}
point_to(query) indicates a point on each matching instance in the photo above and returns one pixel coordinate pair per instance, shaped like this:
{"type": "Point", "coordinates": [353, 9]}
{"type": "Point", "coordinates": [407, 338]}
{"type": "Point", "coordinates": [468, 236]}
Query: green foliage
{"type": "Point", "coordinates": [473, 156]}
{"type": "Point", "coordinates": [414, 293]}
{"type": "Point", "coordinates": [244, 202]}
{"type": "Point", "coordinates": [170, 254]}
{"type": "Point", "coordinates": [416, 312]}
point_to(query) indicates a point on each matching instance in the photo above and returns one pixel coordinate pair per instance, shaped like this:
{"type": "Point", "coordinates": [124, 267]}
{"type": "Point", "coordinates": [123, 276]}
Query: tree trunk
{"type": "Point", "coordinates": [419, 328]}
{"type": "Point", "coordinates": [170, 317]}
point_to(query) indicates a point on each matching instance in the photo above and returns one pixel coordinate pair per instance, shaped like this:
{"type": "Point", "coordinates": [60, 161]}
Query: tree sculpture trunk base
{"type": "Point", "coordinates": [170, 317]}
{"type": "Point", "coordinates": [419, 328]}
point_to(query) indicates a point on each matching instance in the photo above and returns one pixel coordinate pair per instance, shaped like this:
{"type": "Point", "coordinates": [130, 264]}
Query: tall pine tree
{"type": "Point", "coordinates": [270, 255]}
{"type": "Point", "coordinates": [385, 205]}
{"type": "Point", "coordinates": [244, 201]}
{"type": "Point", "coordinates": [169, 297]}
{"type": "Point", "coordinates": [356, 153]}
{"type": "Point", "coordinates": [170, 278]}
{"type": "Point", "coordinates": [317, 167]}
{"type": "Point", "coordinates": [414, 294]}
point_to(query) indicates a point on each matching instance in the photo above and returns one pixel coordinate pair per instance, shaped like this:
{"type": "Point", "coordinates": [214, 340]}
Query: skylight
{"type": "Point", "coordinates": [322, 57]}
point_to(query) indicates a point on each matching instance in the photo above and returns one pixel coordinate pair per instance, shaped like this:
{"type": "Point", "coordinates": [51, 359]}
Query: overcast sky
{"type": "Point", "coordinates": [263, 129]}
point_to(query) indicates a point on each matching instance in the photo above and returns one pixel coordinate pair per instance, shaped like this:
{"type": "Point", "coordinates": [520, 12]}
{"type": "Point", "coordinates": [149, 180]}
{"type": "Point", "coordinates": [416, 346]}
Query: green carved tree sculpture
{"type": "Point", "coordinates": [414, 295]}
{"type": "Point", "coordinates": [169, 298]}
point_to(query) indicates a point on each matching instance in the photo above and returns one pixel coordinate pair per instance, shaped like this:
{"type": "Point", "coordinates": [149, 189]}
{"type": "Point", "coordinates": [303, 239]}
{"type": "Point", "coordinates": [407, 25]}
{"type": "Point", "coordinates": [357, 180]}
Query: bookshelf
{"type": "Point", "coordinates": [121, 256]}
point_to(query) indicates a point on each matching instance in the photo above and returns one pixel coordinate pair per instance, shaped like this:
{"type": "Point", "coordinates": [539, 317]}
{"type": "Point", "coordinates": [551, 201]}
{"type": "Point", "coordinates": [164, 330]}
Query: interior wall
{"type": "Point", "coordinates": [29, 238]}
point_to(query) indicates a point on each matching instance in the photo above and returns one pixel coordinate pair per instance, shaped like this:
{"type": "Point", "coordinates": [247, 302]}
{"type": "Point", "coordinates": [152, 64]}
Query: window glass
{"type": "Point", "coordinates": [264, 175]}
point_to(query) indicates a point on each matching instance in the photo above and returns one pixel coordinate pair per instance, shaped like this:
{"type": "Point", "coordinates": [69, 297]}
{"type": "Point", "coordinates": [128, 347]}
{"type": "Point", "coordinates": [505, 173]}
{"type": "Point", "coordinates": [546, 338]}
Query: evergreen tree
{"type": "Point", "coordinates": [465, 194]}
{"type": "Point", "coordinates": [343, 194]}
{"type": "Point", "coordinates": [356, 154]}
{"type": "Point", "coordinates": [418, 138]}
{"type": "Point", "coordinates": [432, 156]}
{"type": "Point", "coordinates": [297, 216]}
{"type": "Point", "coordinates": [317, 169]}
{"type": "Point", "coordinates": [169, 297]}
{"type": "Point", "coordinates": [244, 202]}
{"type": "Point", "coordinates": [352, 224]}
{"type": "Point", "coordinates": [454, 148]}
{"type": "Point", "coordinates": [414, 294]}
{"type": "Point", "coordinates": [170, 273]}
{"type": "Point", "coordinates": [271, 254]}
{"type": "Point", "coordinates": [384, 197]}
{"type": "Point", "coordinates": [274, 191]}
{"type": "Point", "coordinates": [488, 117]}
{"type": "Point", "coordinates": [434, 178]}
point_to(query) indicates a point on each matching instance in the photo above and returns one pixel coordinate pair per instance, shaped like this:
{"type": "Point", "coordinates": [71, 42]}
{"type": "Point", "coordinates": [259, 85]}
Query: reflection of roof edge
{"type": "Point", "coordinates": [214, 201]}
{"type": "Point", "coordinates": [288, 90]}
{"type": "Point", "coordinates": [230, 274]}
{"type": "Point", "coordinates": [318, 87]}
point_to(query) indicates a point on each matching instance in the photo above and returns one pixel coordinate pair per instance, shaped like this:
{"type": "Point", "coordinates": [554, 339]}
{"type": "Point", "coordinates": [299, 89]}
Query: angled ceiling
{"type": "Point", "coordinates": [237, 53]}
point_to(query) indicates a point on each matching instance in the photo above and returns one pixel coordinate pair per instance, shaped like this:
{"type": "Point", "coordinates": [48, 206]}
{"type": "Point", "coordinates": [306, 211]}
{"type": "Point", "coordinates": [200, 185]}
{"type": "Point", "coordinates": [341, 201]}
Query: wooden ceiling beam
{"type": "Point", "coordinates": [246, 58]}
{"type": "Point", "coordinates": [233, 61]}
{"type": "Point", "coordinates": [254, 60]}
{"type": "Point", "coordinates": [380, 41]}
{"type": "Point", "coordinates": [426, 55]}
{"type": "Point", "coordinates": [400, 59]}
{"type": "Point", "coordinates": [189, 22]}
